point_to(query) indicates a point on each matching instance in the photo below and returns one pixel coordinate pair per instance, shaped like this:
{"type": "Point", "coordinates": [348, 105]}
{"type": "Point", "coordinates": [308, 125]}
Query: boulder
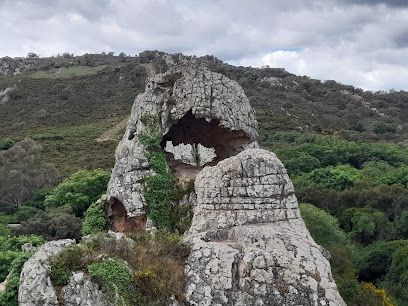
{"type": "Point", "coordinates": [35, 284]}
{"type": "Point", "coordinates": [249, 243]}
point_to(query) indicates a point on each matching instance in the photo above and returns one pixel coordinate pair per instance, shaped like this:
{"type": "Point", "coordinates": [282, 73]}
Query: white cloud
{"type": "Point", "coordinates": [360, 42]}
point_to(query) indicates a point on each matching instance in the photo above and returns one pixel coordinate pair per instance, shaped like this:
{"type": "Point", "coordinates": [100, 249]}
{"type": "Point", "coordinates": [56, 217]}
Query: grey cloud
{"type": "Point", "coordinates": [390, 3]}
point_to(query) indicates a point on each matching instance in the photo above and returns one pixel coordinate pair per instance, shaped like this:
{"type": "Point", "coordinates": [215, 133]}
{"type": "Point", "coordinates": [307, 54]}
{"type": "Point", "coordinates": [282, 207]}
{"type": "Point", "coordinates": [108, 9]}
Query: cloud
{"type": "Point", "coordinates": [361, 42]}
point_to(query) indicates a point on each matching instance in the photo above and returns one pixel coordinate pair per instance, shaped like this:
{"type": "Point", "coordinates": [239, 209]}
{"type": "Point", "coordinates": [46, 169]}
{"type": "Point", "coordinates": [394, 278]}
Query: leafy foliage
{"type": "Point", "coordinates": [6, 143]}
{"type": "Point", "coordinates": [160, 185]}
{"type": "Point", "coordinates": [157, 260]}
{"type": "Point", "coordinates": [11, 264]}
{"type": "Point", "coordinates": [95, 219]}
{"type": "Point", "coordinates": [9, 297]}
{"type": "Point", "coordinates": [323, 227]}
{"type": "Point", "coordinates": [79, 190]}
{"type": "Point", "coordinates": [59, 223]}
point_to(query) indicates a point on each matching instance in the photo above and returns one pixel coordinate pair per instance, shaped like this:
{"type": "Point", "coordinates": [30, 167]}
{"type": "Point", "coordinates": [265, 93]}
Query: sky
{"type": "Point", "coordinates": [363, 43]}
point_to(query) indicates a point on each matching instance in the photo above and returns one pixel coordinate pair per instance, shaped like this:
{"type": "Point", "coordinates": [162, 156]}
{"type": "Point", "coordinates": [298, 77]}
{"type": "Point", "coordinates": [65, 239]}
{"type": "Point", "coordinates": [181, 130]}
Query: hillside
{"type": "Point", "coordinates": [345, 149]}
{"type": "Point", "coordinates": [65, 103]}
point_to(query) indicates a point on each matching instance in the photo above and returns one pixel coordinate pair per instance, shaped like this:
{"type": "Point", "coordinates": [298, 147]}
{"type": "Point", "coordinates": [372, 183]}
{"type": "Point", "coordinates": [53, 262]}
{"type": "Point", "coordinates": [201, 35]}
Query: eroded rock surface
{"type": "Point", "coordinates": [36, 288]}
{"type": "Point", "coordinates": [249, 243]}
{"type": "Point", "coordinates": [192, 106]}
{"type": "Point", "coordinates": [35, 285]}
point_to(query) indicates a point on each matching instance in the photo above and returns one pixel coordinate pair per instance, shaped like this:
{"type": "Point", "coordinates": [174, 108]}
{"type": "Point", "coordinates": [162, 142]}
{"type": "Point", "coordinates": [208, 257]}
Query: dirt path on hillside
{"type": "Point", "coordinates": [151, 72]}
{"type": "Point", "coordinates": [114, 133]}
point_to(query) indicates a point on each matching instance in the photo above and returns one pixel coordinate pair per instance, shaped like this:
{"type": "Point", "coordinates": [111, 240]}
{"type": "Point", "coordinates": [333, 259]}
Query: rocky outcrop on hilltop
{"type": "Point", "coordinates": [191, 108]}
{"type": "Point", "coordinates": [249, 244]}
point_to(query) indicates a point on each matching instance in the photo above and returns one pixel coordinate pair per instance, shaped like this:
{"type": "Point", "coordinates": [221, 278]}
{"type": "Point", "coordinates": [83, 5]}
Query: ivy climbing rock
{"type": "Point", "coordinates": [187, 105]}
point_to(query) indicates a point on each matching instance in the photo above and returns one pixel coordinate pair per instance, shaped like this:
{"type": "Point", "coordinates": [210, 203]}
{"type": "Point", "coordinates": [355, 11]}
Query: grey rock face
{"type": "Point", "coordinates": [192, 106]}
{"type": "Point", "coordinates": [249, 243]}
{"type": "Point", "coordinates": [81, 291]}
{"type": "Point", "coordinates": [35, 285]}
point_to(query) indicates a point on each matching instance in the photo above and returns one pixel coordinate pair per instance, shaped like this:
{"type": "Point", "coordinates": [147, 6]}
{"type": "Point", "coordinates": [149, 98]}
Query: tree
{"type": "Point", "coordinates": [79, 190]}
{"type": "Point", "coordinates": [95, 219]}
{"type": "Point", "coordinates": [323, 227]}
{"type": "Point", "coordinates": [22, 171]}
{"type": "Point", "coordinates": [52, 224]}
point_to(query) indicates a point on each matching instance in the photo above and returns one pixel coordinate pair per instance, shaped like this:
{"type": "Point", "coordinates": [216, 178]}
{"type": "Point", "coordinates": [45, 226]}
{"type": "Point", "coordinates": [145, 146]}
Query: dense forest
{"type": "Point", "coordinates": [345, 149]}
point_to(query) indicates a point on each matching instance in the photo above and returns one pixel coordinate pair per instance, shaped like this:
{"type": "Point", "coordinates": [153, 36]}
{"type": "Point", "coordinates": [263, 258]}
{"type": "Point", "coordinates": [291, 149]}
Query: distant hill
{"type": "Point", "coordinates": [67, 103]}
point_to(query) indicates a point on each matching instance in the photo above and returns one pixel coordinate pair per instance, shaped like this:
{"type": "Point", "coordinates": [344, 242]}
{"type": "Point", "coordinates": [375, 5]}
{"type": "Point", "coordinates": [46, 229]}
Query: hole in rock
{"type": "Point", "coordinates": [120, 220]}
{"type": "Point", "coordinates": [192, 143]}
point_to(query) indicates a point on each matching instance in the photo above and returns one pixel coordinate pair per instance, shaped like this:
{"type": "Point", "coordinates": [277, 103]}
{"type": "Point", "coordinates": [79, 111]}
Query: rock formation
{"type": "Point", "coordinates": [193, 108]}
{"type": "Point", "coordinates": [36, 287]}
{"type": "Point", "coordinates": [249, 244]}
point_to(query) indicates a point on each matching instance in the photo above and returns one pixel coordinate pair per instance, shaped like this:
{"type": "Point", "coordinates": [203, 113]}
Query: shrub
{"type": "Point", "coordinates": [323, 227]}
{"type": "Point", "coordinates": [66, 261]}
{"type": "Point", "coordinates": [79, 190]}
{"type": "Point", "coordinates": [52, 224]}
{"type": "Point", "coordinates": [9, 297]}
{"type": "Point", "coordinates": [114, 278]}
{"type": "Point", "coordinates": [6, 144]}
{"type": "Point", "coordinates": [95, 219]}
{"type": "Point", "coordinates": [25, 212]}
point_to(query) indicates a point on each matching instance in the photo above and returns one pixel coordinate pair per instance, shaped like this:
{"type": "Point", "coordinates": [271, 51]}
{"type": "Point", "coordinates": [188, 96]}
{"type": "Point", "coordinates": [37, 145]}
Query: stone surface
{"type": "Point", "coordinates": [192, 106]}
{"type": "Point", "coordinates": [81, 291]}
{"type": "Point", "coordinates": [249, 244]}
{"type": "Point", "coordinates": [195, 155]}
{"type": "Point", "coordinates": [35, 285]}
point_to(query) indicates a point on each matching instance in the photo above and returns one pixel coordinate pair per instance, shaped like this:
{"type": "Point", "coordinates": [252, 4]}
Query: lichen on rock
{"type": "Point", "coordinates": [190, 105]}
{"type": "Point", "coordinates": [249, 244]}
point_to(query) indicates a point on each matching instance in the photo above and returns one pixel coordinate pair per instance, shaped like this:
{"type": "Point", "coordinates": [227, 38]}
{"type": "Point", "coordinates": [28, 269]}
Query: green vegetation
{"type": "Point", "coordinates": [347, 160]}
{"type": "Point", "coordinates": [67, 72]}
{"type": "Point", "coordinates": [95, 219]}
{"type": "Point", "coordinates": [79, 190]}
{"type": "Point", "coordinates": [360, 208]}
{"type": "Point", "coordinates": [12, 259]}
{"type": "Point", "coordinates": [160, 185]}
{"type": "Point", "coordinates": [157, 261]}
{"type": "Point", "coordinates": [6, 144]}
{"type": "Point", "coordinates": [323, 227]}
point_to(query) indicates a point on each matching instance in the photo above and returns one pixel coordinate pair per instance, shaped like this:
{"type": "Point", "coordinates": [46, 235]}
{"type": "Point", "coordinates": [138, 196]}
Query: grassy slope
{"type": "Point", "coordinates": [66, 111]}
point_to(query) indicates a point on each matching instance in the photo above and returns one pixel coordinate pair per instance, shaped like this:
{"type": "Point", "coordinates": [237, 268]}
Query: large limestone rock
{"type": "Point", "coordinates": [249, 243]}
{"type": "Point", "coordinates": [193, 106]}
{"type": "Point", "coordinates": [36, 288]}
{"type": "Point", "coordinates": [35, 285]}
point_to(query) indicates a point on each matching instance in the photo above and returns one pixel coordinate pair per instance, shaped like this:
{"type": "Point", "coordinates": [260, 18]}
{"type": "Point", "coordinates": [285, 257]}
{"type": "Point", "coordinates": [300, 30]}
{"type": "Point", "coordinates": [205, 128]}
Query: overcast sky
{"type": "Point", "coordinates": [359, 42]}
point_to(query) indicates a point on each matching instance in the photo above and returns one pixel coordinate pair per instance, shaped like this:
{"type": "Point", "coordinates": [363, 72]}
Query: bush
{"type": "Point", "coordinates": [79, 190]}
{"type": "Point", "coordinates": [52, 224]}
{"type": "Point", "coordinates": [114, 278]}
{"type": "Point", "coordinates": [323, 227]}
{"type": "Point", "coordinates": [9, 297]}
{"type": "Point", "coordinates": [66, 261]}
{"type": "Point", "coordinates": [95, 219]}
{"type": "Point", "coordinates": [25, 212]}
{"type": "Point", "coordinates": [6, 144]}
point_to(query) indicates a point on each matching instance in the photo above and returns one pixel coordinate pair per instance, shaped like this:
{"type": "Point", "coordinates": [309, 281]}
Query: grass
{"type": "Point", "coordinates": [62, 73]}
{"type": "Point", "coordinates": [72, 148]}
{"type": "Point", "coordinates": [155, 269]}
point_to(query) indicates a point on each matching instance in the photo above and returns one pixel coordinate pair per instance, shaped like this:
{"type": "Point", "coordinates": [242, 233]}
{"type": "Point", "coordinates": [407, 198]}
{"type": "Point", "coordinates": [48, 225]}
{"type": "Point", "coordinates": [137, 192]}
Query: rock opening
{"type": "Point", "coordinates": [194, 142]}
{"type": "Point", "coordinates": [120, 220]}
